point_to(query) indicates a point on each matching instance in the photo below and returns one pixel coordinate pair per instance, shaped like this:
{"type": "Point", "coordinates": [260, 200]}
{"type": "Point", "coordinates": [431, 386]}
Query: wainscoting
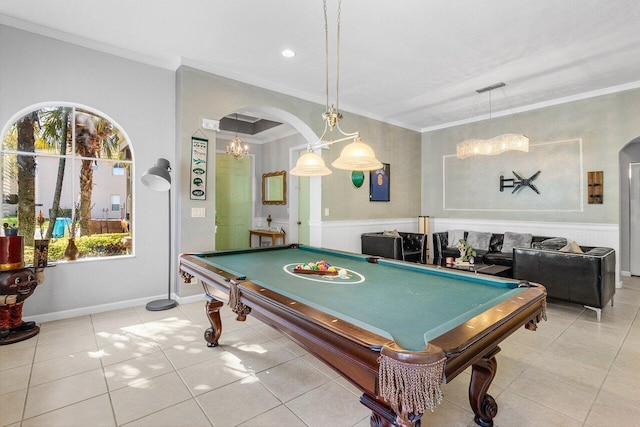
{"type": "Point", "coordinates": [345, 235]}
{"type": "Point", "coordinates": [585, 234]}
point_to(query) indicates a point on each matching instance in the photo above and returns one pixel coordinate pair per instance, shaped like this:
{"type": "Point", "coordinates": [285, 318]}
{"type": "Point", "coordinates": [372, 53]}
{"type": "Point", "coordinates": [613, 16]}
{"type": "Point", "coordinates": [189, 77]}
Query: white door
{"type": "Point", "coordinates": [634, 218]}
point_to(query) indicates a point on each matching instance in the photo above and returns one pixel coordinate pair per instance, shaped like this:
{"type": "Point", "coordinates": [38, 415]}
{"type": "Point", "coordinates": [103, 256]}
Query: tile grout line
{"type": "Point", "coordinates": [26, 395]}
{"type": "Point", "coordinates": [104, 376]}
{"type": "Point", "coordinates": [626, 336]}
{"type": "Point", "coordinates": [175, 369]}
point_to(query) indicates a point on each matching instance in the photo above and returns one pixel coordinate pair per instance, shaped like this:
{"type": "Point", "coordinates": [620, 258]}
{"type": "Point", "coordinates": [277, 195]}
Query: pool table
{"type": "Point", "coordinates": [395, 330]}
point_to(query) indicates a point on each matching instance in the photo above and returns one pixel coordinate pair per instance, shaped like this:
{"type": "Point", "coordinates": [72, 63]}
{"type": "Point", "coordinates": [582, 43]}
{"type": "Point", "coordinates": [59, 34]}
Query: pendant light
{"type": "Point", "coordinates": [492, 146]}
{"type": "Point", "coordinates": [356, 155]}
{"type": "Point", "coordinates": [236, 148]}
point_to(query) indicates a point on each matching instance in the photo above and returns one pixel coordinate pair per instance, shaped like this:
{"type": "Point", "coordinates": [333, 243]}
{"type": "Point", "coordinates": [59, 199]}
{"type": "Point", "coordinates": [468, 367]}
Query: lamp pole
{"type": "Point", "coordinates": [158, 178]}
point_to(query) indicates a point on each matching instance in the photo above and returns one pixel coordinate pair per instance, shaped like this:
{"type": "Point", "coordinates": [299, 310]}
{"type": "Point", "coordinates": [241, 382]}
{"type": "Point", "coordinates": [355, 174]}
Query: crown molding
{"type": "Point", "coordinates": [167, 63]}
{"type": "Point", "coordinates": [550, 103]}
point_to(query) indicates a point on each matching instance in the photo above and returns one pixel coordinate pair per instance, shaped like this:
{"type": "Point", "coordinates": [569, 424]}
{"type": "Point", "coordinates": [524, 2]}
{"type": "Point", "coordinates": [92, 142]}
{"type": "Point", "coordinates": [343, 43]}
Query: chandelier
{"type": "Point", "coordinates": [495, 145]}
{"type": "Point", "coordinates": [236, 148]}
{"type": "Point", "coordinates": [356, 156]}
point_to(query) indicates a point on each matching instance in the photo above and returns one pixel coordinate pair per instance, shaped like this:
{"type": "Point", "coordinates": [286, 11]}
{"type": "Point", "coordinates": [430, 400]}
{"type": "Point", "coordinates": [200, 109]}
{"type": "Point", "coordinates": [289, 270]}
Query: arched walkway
{"type": "Point", "coordinates": [629, 155]}
{"type": "Point", "coordinates": [315, 183]}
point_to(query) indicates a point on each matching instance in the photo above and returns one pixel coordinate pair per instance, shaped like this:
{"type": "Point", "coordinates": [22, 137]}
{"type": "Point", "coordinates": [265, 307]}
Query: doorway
{"type": "Point", "coordinates": [634, 219]}
{"type": "Point", "coordinates": [314, 205]}
{"type": "Point", "coordinates": [233, 202]}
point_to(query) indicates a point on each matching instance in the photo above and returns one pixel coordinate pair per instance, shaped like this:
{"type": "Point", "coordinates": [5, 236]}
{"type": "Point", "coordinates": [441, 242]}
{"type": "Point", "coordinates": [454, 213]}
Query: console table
{"type": "Point", "coordinates": [273, 234]}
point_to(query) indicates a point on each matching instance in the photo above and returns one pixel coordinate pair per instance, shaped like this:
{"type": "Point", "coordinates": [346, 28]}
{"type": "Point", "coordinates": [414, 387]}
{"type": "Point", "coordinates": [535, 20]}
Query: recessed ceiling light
{"type": "Point", "coordinates": [288, 53]}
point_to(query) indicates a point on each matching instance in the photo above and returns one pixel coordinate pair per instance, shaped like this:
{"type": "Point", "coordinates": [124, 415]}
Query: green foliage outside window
{"type": "Point", "coordinates": [55, 157]}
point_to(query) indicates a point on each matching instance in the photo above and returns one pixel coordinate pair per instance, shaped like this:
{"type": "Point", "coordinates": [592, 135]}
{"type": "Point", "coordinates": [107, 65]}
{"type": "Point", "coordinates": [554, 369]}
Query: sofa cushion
{"type": "Point", "coordinates": [450, 252]}
{"type": "Point", "coordinates": [598, 251]}
{"type": "Point", "coordinates": [553, 244]}
{"type": "Point", "coordinates": [495, 245]}
{"type": "Point", "coordinates": [498, 258]}
{"type": "Point", "coordinates": [515, 240]}
{"type": "Point", "coordinates": [454, 237]}
{"type": "Point", "coordinates": [478, 240]}
{"type": "Point", "coordinates": [572, 247]}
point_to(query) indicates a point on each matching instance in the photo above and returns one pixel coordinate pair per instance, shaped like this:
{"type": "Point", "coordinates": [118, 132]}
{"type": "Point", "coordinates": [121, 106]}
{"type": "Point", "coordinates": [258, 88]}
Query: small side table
{"type": "Point", "coordinates": [273, 234]}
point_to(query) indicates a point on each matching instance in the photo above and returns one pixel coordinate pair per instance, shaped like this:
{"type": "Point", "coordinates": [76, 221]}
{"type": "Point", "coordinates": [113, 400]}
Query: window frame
{"type": "Point", "coordinates": [72, 175]}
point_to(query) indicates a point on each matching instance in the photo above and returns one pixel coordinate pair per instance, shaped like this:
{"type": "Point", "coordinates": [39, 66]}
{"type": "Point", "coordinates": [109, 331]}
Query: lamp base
{"type": "Point", "coordinates": [161, 304]}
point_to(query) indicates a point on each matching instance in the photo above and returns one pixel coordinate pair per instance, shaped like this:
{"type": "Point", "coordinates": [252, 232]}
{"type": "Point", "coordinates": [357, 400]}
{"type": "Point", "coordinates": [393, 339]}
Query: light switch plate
{"type": "Point", "coordinates": [198, 212]}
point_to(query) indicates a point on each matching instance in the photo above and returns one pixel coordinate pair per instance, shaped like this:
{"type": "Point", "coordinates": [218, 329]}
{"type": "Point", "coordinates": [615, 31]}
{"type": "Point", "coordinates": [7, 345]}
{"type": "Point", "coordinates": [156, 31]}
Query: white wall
{"type": "Point", "coordinates": [141, 99]}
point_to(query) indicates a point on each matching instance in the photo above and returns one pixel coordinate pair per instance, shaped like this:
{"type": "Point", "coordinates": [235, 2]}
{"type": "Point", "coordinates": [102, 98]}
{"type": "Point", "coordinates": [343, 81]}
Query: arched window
{"type": "Point", "coordinates": [66, 173]}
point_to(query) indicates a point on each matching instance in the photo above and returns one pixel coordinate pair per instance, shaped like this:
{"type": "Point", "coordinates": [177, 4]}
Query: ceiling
{"type": "Point", "coordinates": [414, 63]}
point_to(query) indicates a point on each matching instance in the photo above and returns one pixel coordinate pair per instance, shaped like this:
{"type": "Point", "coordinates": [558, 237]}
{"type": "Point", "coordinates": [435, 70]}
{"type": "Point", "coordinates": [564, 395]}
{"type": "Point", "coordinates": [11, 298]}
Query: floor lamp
{"type": "Point", "coordinates": [158, 178]}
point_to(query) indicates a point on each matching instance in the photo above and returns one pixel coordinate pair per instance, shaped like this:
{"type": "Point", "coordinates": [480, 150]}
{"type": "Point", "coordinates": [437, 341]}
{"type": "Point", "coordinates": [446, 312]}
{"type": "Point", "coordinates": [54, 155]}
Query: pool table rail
{"type": "Point", "coordinates": [468, 342]}
{"type": "Point", "coordinates": [355, 352]}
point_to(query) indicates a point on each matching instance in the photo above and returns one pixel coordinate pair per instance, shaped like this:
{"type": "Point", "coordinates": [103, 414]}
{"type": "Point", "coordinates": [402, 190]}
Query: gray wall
{"type": "Point", "coordinates": [275, 158]}
{"type": "Point", "coordinates": [139, 98]}
{"type": "Point", "coordinates": [605, 124]}
{"type": "Point", "coordinates": [202, 94]}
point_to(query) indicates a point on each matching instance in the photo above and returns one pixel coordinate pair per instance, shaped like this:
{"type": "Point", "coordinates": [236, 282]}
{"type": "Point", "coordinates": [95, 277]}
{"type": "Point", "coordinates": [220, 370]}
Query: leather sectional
{"type": "Point", "coordinates": [586, 278]}
{"type": "Point", "coordinates": [395, 245]}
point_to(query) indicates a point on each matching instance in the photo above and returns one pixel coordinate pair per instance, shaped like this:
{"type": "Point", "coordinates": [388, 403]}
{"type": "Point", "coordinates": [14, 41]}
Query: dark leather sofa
{"type": "Point", "coordinates": [494, 256]}
{"type": "Point", "coordinates": [405, 246]}
{"type": "Point", "coordinates": [587, 278]}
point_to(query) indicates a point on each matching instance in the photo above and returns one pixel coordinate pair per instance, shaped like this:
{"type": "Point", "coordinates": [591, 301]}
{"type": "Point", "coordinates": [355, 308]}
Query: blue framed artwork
{"type": "Point", "coordinates": [379, 184]}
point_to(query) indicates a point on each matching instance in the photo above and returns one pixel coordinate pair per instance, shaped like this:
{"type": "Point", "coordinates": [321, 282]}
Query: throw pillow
{"type": "Point", "coordinates": [515, 240]}
{"type": "Point", "coordinates": [572, 247]}
{"type": "Point", "coordinates": [478, 240]}
{"type": "Point", "coordinates": [454, 237]}
{"type": "Point", "coordinates": [393, 233]}
{"type": "Point", "coordinates": [551, 244]}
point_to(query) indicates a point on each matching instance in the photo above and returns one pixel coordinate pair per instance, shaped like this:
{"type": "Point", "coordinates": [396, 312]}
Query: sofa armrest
{"type": "Point", "coordinates": [413, 246]}
{"type": "Point", "coordinates": [383, 246]}
{"type": "Point", "coordinates": [440, 241]}
{"type": "Point", "coordinates": [587, 279]}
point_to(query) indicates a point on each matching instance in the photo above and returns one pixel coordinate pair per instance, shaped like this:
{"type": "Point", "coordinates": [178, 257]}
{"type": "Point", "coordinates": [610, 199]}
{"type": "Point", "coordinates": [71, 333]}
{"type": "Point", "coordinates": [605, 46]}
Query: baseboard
{"type": "Point", "coordinates": [66, 314]}
{"type": "Point", "coordinates": [191, 298]}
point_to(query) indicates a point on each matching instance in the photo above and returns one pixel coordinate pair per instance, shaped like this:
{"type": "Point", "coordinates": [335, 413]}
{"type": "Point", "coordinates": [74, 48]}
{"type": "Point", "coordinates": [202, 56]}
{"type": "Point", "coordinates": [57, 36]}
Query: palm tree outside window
{"type": "Point", "coordinates": [60, 159]}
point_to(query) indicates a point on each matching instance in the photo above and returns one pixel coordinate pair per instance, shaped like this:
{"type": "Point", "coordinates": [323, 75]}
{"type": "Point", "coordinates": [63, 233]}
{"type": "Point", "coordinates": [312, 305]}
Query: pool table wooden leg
{"type": "Point", "coordinates": [384, 416]}
{"type": "Point", "coordinates": [212, 309]}
{"type": "Point", "coordinates": [482, 374]}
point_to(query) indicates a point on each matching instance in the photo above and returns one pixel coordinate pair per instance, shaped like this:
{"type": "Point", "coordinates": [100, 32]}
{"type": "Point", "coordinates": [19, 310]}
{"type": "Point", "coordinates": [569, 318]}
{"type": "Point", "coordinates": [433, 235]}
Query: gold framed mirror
{"type": "Point", "coordinates": [274, 188]}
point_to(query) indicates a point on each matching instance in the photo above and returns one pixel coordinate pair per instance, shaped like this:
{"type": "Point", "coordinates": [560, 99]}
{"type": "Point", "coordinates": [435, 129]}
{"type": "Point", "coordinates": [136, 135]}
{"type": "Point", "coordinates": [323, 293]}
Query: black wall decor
{"type": "Point", "coordinates": [519, 183]}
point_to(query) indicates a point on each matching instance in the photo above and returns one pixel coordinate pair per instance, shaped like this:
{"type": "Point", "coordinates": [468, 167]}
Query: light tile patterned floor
{"type": "Point", "coordinates": [133, 367]}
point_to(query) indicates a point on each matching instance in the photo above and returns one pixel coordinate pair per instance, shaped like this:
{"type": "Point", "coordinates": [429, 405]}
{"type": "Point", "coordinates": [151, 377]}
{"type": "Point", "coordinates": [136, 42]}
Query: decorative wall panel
{"type": "Point", "coordinates": [473, 184]}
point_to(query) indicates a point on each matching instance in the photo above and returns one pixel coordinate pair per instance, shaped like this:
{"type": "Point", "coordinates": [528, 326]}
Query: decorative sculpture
{"type": "Point", "coordinates": [15, 287]}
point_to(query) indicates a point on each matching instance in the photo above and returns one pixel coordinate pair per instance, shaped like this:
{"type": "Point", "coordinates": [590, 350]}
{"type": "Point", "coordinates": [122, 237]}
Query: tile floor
{"type": "Point", "coordinates": [133, 367]}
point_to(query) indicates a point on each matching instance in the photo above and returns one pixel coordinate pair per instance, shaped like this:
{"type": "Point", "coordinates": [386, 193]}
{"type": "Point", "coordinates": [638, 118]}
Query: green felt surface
{"type": "Point", "coordinates": [408, 303]}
